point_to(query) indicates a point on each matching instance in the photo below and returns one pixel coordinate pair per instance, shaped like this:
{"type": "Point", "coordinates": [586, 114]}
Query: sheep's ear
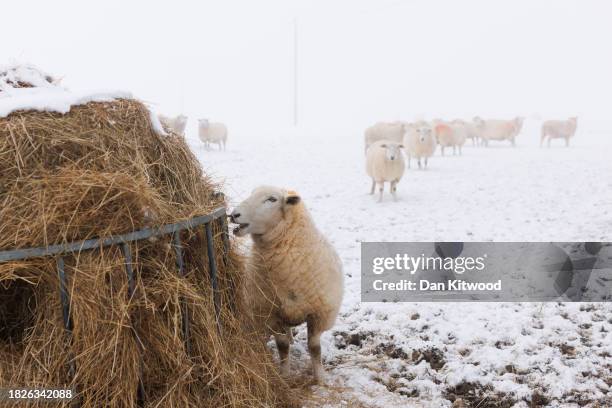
{"type": "Point", "coordinates": [384, 146]}
{"type": "Point", "coordinates": [292, 198]}
{"type": "Point", "coordinates": [400, 146]}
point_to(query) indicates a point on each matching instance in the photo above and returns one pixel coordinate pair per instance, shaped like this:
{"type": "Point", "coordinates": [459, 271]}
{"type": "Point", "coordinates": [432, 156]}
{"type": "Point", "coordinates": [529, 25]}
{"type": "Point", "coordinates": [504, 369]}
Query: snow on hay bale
{"type": "Point", "coordinates": [102, 169]}
{"type": "Point", "coordinates": [24, 76]}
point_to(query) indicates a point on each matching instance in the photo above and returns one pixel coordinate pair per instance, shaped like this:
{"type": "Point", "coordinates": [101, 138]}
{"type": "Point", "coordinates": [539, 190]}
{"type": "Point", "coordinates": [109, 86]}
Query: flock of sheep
{"type": "Point", "coordinates": [384, 142]}
{"type": "Point", "coordinates": [208, 132]}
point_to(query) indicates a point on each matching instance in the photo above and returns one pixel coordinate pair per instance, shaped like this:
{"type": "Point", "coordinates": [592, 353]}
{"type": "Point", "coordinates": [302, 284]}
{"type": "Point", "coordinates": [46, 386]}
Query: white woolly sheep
{"type": "Point", "coordinates": [447, 135]}
{"type": "Point", "coordinates": [460, 133]}
{"type": "Point", "coordinates": [495, 129]}
{"type": "Point", "coordinates": [176, 124]}
{"type": "Point", "coordinates": [385, 163]}
{"type": "Point", "coordinates": [472, 131]}
{"type": "Point", "coordinates": [295, 273]}
{"type": "Point", "coordinates": [419, 142]}
{"type": "Point", "coordinates": [211, 132]}
{"type": "Point", "coordinates": [559, 129]}
{"type": "Point", "coordinates": [392, 131]}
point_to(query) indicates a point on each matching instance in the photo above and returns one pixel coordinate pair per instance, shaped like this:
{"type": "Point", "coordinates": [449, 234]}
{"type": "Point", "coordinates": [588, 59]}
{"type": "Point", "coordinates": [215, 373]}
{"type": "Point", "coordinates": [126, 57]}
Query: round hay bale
{"type": "Point", "coordinates": [102, 169]}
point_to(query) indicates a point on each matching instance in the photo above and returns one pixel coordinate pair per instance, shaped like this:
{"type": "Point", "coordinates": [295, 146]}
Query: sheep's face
{"type": "Point", "coordinates": [203, 122]}
{"type": "Point", "coordinates": [392, 150]}
{"type": "Point", "coordinates": [263, 210]}
{"type": "Point", "coordinates": [423, 132]}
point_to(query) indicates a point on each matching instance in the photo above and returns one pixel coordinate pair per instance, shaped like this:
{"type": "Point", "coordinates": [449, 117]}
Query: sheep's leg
{"type": "Point", "coordinates": [567, 142]}
{"type": "Point", "coordinates": [442, 148]}
{"type": "Point", "coordinates": [283, 342]}
{"type": "Point", "coordinates": [549, 139]}
{"type": "Point", "coordinates": [408, 161]}
{"type": "Point", "coordinates": [426, 162]}
{"type": "Point", "coordinates": [394, 189]}
{"type": "Point", "coordinates": [419, 162]}
{"type": "Point", "coordinates": [373, 187]}
{"type": "Point", "coordinates": [381, 189]}
{"type": "Point", "coordinates": [314, 348]}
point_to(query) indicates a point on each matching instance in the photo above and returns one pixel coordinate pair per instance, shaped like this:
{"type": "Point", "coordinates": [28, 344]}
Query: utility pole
{"type": "Point", "coordinates": [295, 71]}
{"type": "Point", "coordinates": [182, 90]}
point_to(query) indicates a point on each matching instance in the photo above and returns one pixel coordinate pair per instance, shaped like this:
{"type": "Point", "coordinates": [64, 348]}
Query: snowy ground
{"type": "Point", "coordinates": [430, 354]}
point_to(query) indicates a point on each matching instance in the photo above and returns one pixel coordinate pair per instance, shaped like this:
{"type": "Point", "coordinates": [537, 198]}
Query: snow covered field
{"type": "Point", "coordinates": [431, 354]}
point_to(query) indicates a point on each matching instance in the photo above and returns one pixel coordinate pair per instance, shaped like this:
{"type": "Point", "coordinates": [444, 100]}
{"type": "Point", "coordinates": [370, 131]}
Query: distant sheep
{"type": "Point", "coordinates": [460, 133]}
{"type": "Point", "coordinates": [444, 135]}
{"type": "Point", "coordinates": [211, 132]}
{"type": "Point", "coordinates": [472, 131]}
{"type": "Point", "coordinates": [176, 124]}
{"type": "Point", "coordinates": [392, 131]}
{"type": "Point", "coordinates": [449, 135]}
{"type": "Point", "coordinates": [559, 129]}
{"type": "Point", "coordinates": [385, 163]}
{"type": "Point", "coordinates": [419, 142]}
{"type": "Point", "coordinates": [294, 273]}
{"type": "Point", "coordinates": [495, 129]}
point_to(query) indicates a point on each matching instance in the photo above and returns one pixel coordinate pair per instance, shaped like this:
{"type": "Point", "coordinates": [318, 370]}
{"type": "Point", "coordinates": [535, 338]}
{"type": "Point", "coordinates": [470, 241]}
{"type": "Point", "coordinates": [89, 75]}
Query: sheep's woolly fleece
{"type": "Point", "coordinates": [25, 87]}
{"type": "Point", "coordinates": [317, 274]}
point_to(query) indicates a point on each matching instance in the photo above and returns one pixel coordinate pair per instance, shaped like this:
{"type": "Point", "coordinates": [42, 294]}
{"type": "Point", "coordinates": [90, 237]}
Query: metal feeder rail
{"type": "Point", "coordinates": [217, 216]}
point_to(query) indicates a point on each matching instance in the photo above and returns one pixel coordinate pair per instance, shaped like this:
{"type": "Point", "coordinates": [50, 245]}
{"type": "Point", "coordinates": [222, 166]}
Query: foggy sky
{"type": "Point", "coordinates": [359, 61]}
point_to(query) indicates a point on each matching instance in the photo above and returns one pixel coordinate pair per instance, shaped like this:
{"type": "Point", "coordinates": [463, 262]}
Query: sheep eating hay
{"type": "Point", "coordinates": [91, 169]}
{"type": "Point", "coordinates": [295, 270]}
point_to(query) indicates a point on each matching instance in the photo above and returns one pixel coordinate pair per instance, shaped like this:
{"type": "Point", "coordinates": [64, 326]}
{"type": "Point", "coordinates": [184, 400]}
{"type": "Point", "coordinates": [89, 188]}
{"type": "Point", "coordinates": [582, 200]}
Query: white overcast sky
{"type": "Point", "coordinates": [359, 60]}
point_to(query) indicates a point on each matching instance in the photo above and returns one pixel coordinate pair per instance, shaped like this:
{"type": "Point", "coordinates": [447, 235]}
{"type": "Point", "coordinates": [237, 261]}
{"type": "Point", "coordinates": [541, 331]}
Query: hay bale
{"type": "Point", "coordinates": [103, 169]}
{"type": "Point", "coordinates": [24, 76]}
